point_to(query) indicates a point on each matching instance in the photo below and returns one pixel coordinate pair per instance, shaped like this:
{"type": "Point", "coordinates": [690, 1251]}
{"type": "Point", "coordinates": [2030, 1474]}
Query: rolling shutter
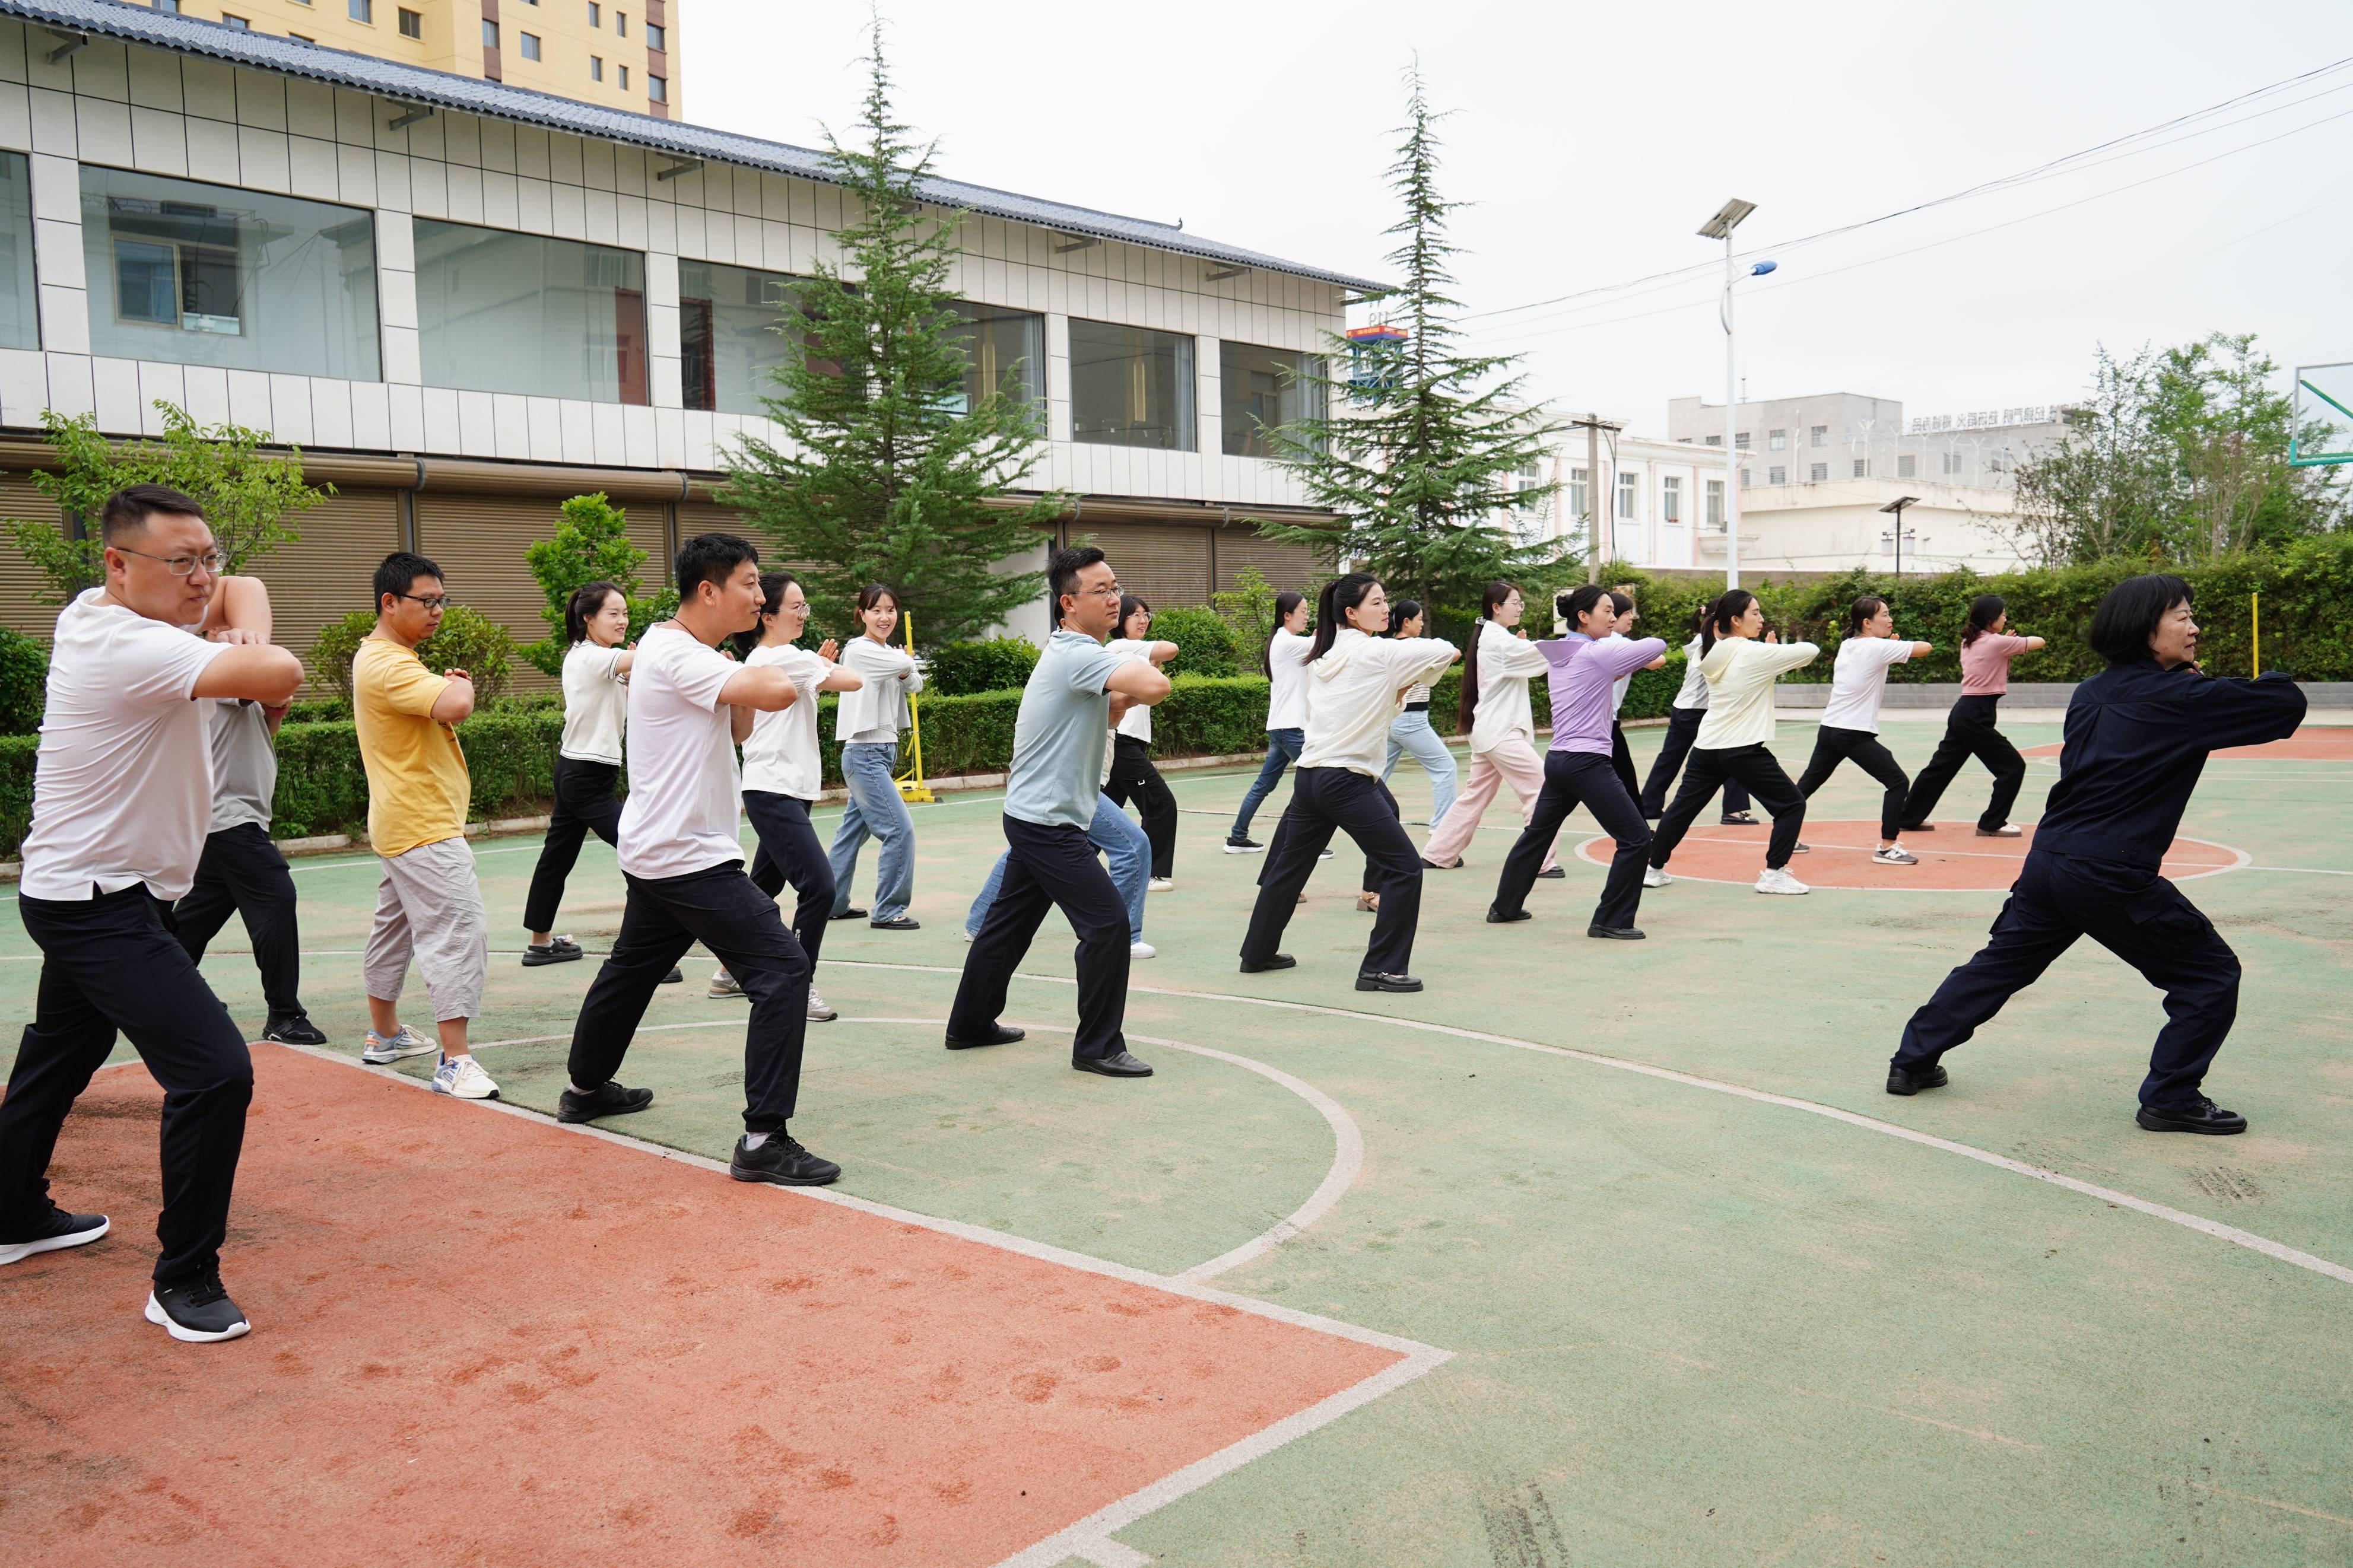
{"type": "Point", "coordinates": [329, 571]}
{"type": "Point", "coordinates": [1167, 564]}
{"type": "Point", "coordinates": [19, 610]}
{"type": "Point", "coordinates": [479, 540]}
{"type": "Point", "coordinates": [1282, 566]}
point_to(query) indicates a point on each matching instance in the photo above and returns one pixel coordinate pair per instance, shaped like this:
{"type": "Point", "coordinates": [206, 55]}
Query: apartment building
{"type": "Point", "coordinates": [623, 56]}
{"type": "Point", "coordinates": [466, 301]}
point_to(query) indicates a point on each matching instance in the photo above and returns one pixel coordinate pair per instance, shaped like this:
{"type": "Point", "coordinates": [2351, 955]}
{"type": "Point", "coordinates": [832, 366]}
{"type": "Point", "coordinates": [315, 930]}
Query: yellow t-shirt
{"type": "Point", "coordinates": [417, 785]}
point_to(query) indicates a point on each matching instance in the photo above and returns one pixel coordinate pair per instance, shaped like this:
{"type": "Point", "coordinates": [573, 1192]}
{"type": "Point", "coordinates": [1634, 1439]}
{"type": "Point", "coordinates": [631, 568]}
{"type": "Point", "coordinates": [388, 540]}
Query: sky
{"type": "Point", "coordinates": [1589, 144]}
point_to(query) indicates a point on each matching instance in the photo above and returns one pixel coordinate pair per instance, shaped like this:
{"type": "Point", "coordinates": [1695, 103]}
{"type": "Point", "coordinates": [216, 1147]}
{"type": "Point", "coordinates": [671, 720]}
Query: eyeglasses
{"type": "Point", "coordinates": [215, 561]}
{"type": "Point", "coordinates": [1108, 591]}
{"type": "Point", "coordinates": [430, 600]}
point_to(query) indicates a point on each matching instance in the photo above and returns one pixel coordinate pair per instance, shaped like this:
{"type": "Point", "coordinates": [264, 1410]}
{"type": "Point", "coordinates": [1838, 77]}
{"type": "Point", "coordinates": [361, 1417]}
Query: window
{"type": "Point", "coordinates": [360, 10]}
{"type": "Point", "coordinates": [165, 4]}
{"type": "Point", "coordinates": [1581, 492]}
{"type": "Point", "coordinates": [1741, 441]}
{"type": "Point", "coordinates": [596, 67]}
{"type": "Point", "coordinates": [1715, 440]}
{"type": "Point", "coordinates": [655, 35]}
{"type": "Point", "coordinates": [1776, 476]}
{"type": "Point", "coordinates": [198, 274]}
{"type": "Point", "coordinates": [1261, 390]}
{"type": "Point", "coordinates": [1953, 463]}
{"type": "Point", "coordinates": [1907, 466]}
{"type": "Point", "coordinates": [412, 23]}
{"type": "Point", "coordinates": [530, 45]}
{"type": "Point", "coordinates": [728, 339]}
{"type": "Point", "coordinates": [1820, 435]}
{"type": "Point", "coordinates": [239, 23]}
{"type": "Point", "coordinates": [1817, 473]}
{"type": "Point", "coordinates": [999, 344]}
{"type": "Point", "coordinates": [1862, 468]}
{"type": "Point", "coordinates": [522, 312]}
{"type": "Point", "coordinates": [1671, 500]}
{"type": "Point", "coordinates": [20, 315]}
{"type": "Point", "coordinates": [624, 79]}
{"type": "Point", "coordinates": [621, 24]}
{"type": "Point", "coordinates": [658, 88]}
{"type": "Point", "coordinates": [1131, 386]}
{"type": "Point", "coordinates": [489, 34]}
{"type": "Point", "coordinates": [1776, 440]}
{"type": "Point", "coordinates": [300, 39]}
{"type": "Point", "coordinates": [1745, 481]}
{"type": "Point", "coordinates": [596, 14]}
{"type": "Point", "coordinates": [1630, 496]}
{"type": "Point", "coordinates": [1716, 504]}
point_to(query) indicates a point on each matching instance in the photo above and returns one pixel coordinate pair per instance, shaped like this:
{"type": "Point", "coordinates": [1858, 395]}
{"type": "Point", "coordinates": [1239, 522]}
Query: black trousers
{"type": "Point", "coordinates": [1323, 801]}
{"type": "Point", "coordinates": [585, 803]}
{"type": "Point", "coordinates": [242, 872]}
{"type": "Point", "coordinates": [1752, 765]}
{"type": "Point", "coordinates": [1621, 761]}
{"type": "Point", "coordinates": [1682, 728]}
{"type": "Point", "coordinates": [2134, 913]}
{"type": "Point", "coordinates": [789, 852]}
{"type": "Point", "coordinates": [721, 910]}
{"type": "Point", "coordinates": [1833, 746]}
{"type": "Point", "coordinates": [108, 963]}
{"type": "Point", "coordinates": [1969, 732]}
{"type": "Point", "coordinates": [1133, 777]}
{"type": "Point", "coordinates": [1571, 779]}
{"type": "Point", "coordinates": [1050, 867]}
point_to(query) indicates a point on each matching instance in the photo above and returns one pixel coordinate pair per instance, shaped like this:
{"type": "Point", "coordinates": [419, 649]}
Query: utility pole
{"type": "Point", "coordinates": [1593, 425]}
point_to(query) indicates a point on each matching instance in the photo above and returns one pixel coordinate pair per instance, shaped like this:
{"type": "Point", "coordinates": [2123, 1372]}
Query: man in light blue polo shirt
{"type": "Point", "coordinates": [1073, 696]}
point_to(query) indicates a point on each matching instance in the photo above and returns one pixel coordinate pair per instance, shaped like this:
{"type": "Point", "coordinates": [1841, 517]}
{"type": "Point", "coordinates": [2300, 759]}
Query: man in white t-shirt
{"type": "Point", "coordinates": [680, 854]}
{"type": "Point", "coordinates": [122, 798]}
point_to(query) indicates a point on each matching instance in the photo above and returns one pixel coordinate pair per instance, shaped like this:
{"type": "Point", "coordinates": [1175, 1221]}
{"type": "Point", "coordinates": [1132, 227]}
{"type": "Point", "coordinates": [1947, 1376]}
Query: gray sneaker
{"type": "Point", "coordinates": [723, 985]}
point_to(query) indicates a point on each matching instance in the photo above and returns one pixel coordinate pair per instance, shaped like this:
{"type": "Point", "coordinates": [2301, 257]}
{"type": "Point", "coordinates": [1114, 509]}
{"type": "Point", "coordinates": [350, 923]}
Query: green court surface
{"type": "Point", "coordinates": [1691, 1317]}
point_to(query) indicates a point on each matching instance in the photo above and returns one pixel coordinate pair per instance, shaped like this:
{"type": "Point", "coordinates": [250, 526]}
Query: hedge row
{"type": "Point", "coordinates": [322, 787]}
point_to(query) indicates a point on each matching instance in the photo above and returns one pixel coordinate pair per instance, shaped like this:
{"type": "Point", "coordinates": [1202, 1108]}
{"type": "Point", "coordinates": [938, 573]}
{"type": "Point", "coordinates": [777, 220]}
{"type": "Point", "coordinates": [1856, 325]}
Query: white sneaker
{"type": "Point", "coordinates": [1324, 855]}
{"type": "Point", "coordinates": [1142, 950]}
{"type": "Point", "coordinates": [1895, 854]}
{"type": "Point", "coordinates": [1160, 885]}
{"type": "Point", "coordinates": [1780, 882]}
{"type": "Point", "coordinates": [970, 934]}
{"type": "Point", "coordinates": [407, 1043]}
{"type": "Point", "coordinates": [1655, 878]}
{"type": "Point", "coordinates": [819, 1012]}
{"type": "Point", "coordinates": [463, 1077]}
{"type": "Point", "coordinates": [722, 985]}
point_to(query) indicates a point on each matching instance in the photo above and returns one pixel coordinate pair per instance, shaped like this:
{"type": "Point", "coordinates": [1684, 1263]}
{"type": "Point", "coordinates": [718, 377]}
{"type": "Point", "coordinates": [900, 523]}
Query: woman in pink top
{"type": "Point", "coordinates": [1987, 650]}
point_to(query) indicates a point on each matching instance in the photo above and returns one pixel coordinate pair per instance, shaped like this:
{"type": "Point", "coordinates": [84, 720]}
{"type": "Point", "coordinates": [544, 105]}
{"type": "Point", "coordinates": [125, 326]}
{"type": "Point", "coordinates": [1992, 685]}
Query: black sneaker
{"type": "Point", "coordinates": [297, 1030]}
{"type": "Point", "coordinates": [2200, 1115]}
{"type": "Point", "coordinates": [559, 950]}
{"type": "Point", "coordinates": [676, 976]}
{"type": "Point", "coordinates": [59, 1229]}
{"type": "Point", "coordinates": [783, 1162]}
{"type": "Point", "coordinates": [1911, 1080]}
{"type": "Point", "coordinates": [608, 1099]}
{"type": "Point", "coordinates": [1238, 844]}
{"type": "Point", "coordinates": [197, 1311]}
{"type": "Point", "coordinates": [847, 915]}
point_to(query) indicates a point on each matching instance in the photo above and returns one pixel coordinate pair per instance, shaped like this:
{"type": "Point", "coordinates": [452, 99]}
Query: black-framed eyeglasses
{"type": "Point", "coordinates": [430, 600]}
{"type": "Point", "coordinates": [213, 561]}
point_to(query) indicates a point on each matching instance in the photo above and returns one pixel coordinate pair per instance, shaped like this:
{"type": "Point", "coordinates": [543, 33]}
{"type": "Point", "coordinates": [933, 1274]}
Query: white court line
{"type": "Point", "coordinates": [2240, 861]}
{"type": "Point", "coordinates": [2215, 1228]}
{"type": "Point", "coordinates": [1090, 1538]}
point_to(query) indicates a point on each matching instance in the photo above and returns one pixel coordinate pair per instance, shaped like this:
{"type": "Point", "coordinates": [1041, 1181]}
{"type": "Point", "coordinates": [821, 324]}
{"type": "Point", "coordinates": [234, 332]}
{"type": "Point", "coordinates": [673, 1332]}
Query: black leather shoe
{"type": "Point", "coordinates": [1454, 864]}
{"type": "Point", "coordinates": [2197, 1116]}
{"type": "Point", "coordinates": [1557, 874]}
{"type": "Point", "coordinates": [781, 1161]}
{"type": "Point", "coordinates": [1911, 1080]}
{"type": "Point", "coordinates": [1386, 982]}
{"type": "Point", "coordinates": [999, 1034]}
{"type": "Point", "coordinates": [1736, 819]}
{"type": "Point", "coordinates": [1280, 961]}
{"type": "Point", "coordinates": [848, 915]}
{"type": "Point", "coordinates": [608, 1099]}
{"type": "Point", "coordinates": [1496, 917]}
{"type": "Point", "coordinates": [676, 976]}
{"type": "Point", "coordinates": [1616, 933]}
{"type": "Point", "coordinates": [904, 922]}
{"type": "Point", "coordinates": [1119, 1063]}
{"type": "Point", "coordinates": [297, 1030]}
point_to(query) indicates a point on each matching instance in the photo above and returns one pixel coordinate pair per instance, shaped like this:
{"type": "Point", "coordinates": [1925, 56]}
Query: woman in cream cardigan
{"type": "Point", "coordinates": [1496, 668]}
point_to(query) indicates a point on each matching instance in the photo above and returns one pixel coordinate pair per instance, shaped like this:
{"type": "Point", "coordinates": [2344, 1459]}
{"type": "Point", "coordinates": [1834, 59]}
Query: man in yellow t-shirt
{"type": "Point", "coordinates": [428, 905]}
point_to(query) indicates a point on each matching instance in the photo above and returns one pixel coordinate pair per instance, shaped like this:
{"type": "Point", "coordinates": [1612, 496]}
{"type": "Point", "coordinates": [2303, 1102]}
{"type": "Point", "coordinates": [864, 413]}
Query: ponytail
{"type": "Point", "coordinates": [1984, 610]}
{"type": "Point", "coordinates": [1728, 608]}
{"type": "Point", "coordinates": [1860, 611]}
{"type": "Point", "coordinates": [1285, 602]}
{"type": "Point", "coordinates": [1466, 709]}
{"type": "Point", "coordinates": [1342, 593]}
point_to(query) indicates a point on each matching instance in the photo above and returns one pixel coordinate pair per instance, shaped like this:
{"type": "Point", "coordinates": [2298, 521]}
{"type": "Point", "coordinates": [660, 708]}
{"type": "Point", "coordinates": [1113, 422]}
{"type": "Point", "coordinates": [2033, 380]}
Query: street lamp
{"type": "Point", "coordinates": [1720, 226]}
{"type": "Point", "coordinates": [1897, 506]}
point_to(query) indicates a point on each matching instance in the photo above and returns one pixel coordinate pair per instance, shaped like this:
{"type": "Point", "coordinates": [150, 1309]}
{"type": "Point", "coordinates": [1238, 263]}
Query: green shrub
{"type": "Point", "coordinates": [991, 664]}
{"type": "Point", "coordinates": [467, 640]}
{"type": "Point", "coordinates": [1203, 640]}
{"type": "Point", "coordinates": [24, 683]}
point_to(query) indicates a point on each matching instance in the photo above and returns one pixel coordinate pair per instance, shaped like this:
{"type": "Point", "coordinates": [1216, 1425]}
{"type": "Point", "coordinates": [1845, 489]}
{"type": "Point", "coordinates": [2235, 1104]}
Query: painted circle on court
{"type": "Point", "coordinates": [1952, 859]}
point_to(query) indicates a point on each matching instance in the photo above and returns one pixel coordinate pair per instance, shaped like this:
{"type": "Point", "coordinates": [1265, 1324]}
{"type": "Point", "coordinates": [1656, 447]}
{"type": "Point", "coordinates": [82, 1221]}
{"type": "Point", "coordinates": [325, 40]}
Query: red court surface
{"type": "Point", "coordinates": [2313, 743]}
{"type": "Point", "coordinates": [483, 1340]}
{"type": "Point", "coordinates": [1953, 859]}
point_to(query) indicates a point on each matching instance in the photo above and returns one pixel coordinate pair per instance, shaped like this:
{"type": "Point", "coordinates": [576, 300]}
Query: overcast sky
{"type": "Point", "coordinates": [1593, 141]}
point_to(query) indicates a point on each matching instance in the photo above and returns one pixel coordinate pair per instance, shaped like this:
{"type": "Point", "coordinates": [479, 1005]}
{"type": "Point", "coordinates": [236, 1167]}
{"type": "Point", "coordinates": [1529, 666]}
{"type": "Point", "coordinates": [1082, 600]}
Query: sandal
{"type": "Point", "coordinates": [1368, 904]}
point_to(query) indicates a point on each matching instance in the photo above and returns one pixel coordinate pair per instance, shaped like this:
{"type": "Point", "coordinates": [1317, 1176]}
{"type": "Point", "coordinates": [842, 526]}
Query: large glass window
{"type": "Point", "coordinates": [522, 312]}
{"type": "Point", "coordinates": [198, 274]}
{"type": "Point", "coordinates": [20, 315]}
{"type": "Point", "coordinates": [727, 319]}
{"type": "Point", "coordinates": [1131, 386]}
{"type": "Point", "coordinates": [1263, 390]}
{"type": "Point", "coordinates": [997, 343]}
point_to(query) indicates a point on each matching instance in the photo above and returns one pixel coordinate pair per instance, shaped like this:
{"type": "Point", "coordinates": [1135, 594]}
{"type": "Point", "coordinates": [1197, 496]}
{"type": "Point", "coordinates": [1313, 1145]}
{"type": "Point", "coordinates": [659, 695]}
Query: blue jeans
{"type": "Point", "coordinates": [1282, 748]}
{"type": "Point", "coordinates": [876, 810]}
{"type": "Point", "coordinates": [1117, 835]}
{"type": "Point", "coordinates": [1411, 732]}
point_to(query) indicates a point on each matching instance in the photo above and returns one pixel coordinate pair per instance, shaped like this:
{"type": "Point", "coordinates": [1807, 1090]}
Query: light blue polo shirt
{"type": "Point", "coordinates": [1059, 738]}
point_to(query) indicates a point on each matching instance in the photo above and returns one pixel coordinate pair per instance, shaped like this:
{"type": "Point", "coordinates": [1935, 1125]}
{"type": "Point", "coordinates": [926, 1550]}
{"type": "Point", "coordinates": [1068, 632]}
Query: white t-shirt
{"type": "Point", "coordinates": [1136, 723]}
{"type": "Point", "coordinates": [595, 704]}
{"type": "Point", "coordinates": [1286, 663]}
{"type": "Point", "coordinates": [122, 783]}
{"type": "Point", "coordinates": [1859, 680]}
{"type": "Point", "coordinates": [780, 756]}
{"type": "Point", "coordinates": [683, 792]}
{"type": "Point", "coordinates": [1694, 693]}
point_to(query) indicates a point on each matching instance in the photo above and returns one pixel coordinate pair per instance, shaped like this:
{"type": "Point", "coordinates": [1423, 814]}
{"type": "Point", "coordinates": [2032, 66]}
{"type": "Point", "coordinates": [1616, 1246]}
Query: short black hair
{"type": "Point", "coordinates": [710, 558]}
{"type": "Point", "coordinates": [1062, 571]}
{"type": "Point", "coordinates": [400, 570]}
{"type": "Point", "coordinates": [126, 512]}
{"type": "Point", "coordinates": [2129, 614]}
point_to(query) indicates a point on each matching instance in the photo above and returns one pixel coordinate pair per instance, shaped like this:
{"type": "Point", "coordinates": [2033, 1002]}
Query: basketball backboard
{"type": "Point", "coordinates": [2324, 416]}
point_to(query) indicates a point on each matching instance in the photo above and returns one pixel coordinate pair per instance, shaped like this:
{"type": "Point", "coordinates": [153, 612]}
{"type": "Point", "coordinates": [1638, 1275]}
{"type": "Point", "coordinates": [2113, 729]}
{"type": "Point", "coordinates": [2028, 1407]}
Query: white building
{"type": "Point", "coordinates": [466, 301]}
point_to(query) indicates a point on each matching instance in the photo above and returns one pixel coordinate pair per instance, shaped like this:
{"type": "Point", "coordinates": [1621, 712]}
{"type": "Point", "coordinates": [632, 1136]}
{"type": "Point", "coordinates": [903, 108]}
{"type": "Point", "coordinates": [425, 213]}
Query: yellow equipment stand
{"type": "Point", "coordinates": [2255, 621]}
{"type": "Point", "coordinates": [911, 786]}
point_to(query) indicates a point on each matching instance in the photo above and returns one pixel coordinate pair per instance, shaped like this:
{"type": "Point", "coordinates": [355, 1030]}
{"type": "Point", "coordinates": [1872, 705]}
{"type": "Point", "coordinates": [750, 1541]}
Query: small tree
{"type": "Point", "coordinates": [246, 494]}
{"type": "Point", "coordinates": [884, 475]}
{"type": "Point", "coordinates": [1421, 446]}
{"type": "Point", "coordinates": [1249, 608]}
{"type": "Point", "coordinates": [591, 543]}
{"type": "Point", "coordinates": [467, 639]}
